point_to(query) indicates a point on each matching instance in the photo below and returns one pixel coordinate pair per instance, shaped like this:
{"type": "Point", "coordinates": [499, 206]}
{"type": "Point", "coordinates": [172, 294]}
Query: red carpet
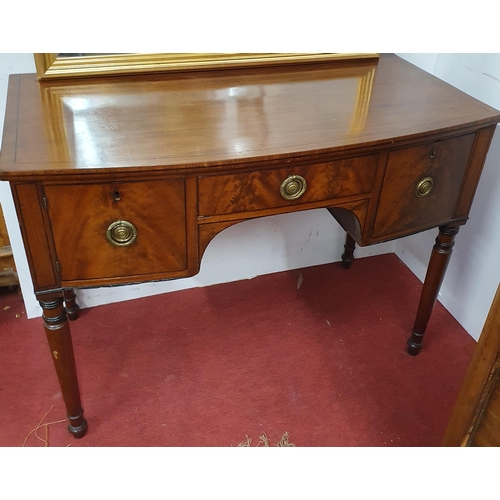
{"type": "Point", "coordinates": [325, 362]}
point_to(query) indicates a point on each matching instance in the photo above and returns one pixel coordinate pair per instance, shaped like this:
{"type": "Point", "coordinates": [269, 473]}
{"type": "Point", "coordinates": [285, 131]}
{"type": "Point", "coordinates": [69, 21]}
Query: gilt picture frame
{"type": "Point", "coordinates": [52, 66]}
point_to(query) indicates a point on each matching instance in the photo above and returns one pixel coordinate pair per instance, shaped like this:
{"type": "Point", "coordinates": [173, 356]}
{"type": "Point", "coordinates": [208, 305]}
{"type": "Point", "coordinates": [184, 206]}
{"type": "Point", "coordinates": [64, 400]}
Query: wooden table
{"type": "Point", "coordinates": [127, 179]}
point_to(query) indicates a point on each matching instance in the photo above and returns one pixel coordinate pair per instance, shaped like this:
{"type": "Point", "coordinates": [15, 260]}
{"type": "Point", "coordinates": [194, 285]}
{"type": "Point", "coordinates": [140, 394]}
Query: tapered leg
{"type": "Point", "coordinates": [436, 270]}
{"type": "Point", "coordinates": [61, 348]}
{"type": "Point", "coordinates": [348, 255]}
{"type": "Point", "coordinates": [72, 308]}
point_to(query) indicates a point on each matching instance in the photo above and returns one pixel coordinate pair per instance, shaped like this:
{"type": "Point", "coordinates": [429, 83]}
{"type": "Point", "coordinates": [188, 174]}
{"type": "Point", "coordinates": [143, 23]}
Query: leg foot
{"type": "Point", "coordinates": [436, 270]}
{"type": "Point", "coordinates": [80, 430]}
{"type": "Point", "coordinates": [72, 308]}
{"type": "Point", "coordinates": [414, 347]}
{"type": "Point", "coordinates": [348, 255]}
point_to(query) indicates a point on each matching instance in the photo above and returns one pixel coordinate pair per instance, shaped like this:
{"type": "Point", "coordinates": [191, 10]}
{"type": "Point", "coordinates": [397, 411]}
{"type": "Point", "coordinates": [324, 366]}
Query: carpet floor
{"type": "Point", "coordinates": [318, 353]}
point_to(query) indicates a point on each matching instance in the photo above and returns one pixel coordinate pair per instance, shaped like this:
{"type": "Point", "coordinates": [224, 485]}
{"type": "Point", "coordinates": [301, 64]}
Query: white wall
{"type": "Point", "coordinates": [242, 251]}
{"type": "Point", "coordinates": [474, 271]}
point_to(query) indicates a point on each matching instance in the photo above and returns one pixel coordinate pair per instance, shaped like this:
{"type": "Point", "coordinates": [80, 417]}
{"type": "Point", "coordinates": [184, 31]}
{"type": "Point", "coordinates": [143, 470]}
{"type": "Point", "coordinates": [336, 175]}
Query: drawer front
{"type": "Point", "coordinates": [421, 185]}
{"type": "Point", "coordinates": [251, 191]}
{"type": "Point", "coordinates": [93, 240]}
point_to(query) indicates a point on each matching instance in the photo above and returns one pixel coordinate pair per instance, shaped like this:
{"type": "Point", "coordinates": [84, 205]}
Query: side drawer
{"type": "Point", "coordinates": [421, 185]}
{"type": "Point", "coordinates": [251, 191]}
{"type": "Point", "coordinates": [111, 230]}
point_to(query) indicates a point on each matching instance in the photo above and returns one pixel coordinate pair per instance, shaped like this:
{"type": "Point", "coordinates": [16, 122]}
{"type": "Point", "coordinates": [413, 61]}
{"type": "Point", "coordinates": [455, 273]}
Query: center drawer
{"type": "Point", "coordinates": [279, 187]}
{"type": "Point", "coordinates": [119, 229]}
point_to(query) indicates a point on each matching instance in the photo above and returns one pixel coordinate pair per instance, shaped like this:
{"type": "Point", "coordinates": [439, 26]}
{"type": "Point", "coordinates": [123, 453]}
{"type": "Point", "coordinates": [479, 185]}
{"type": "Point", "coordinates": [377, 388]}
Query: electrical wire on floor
{"type": "Point", "coordinates": [46, 427]}
{"type": "Point", "coordinates": [265, 441]}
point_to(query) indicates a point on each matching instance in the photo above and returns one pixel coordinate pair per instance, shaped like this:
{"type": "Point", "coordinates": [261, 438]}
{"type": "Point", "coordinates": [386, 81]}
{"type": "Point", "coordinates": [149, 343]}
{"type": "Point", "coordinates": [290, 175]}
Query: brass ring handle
{"type": "Point", "coordinates": [424, 187]}
{"type": "Point", "coordinates": [293, 187]}
{"type": "Point", "coordinates": [121, 233]}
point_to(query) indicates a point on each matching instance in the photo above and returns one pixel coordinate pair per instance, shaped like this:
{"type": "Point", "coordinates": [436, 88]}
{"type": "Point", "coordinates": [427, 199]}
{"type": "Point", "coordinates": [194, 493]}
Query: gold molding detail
{"type": "Point", "coordinates": [50, 66]}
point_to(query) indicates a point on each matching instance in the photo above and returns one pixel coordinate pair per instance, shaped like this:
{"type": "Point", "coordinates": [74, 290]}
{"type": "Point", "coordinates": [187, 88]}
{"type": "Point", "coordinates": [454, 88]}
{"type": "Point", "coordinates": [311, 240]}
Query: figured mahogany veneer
{"type": "Point", "coordinates": [259, 190]}
{"type": "Point", "coordinates": [158, 210]}
{"type": "Point", "coordinates": [121, 180]}
{"type": "Point", "coordinates": [445, 162]}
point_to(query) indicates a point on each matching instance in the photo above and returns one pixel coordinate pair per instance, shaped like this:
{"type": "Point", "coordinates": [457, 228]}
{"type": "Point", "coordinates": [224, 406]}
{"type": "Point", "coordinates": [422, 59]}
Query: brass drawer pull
{"type": "Point", "coordinates": [424, 187]}
{"type": "Point", "coordinates": [121, 233]}
{"type": "Point", "coordinates": [293, 187]}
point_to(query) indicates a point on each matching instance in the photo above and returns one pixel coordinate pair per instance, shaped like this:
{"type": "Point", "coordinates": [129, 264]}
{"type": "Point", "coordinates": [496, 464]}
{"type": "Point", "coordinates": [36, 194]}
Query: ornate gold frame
{"type": "Point", "coordinates": [51, 66]}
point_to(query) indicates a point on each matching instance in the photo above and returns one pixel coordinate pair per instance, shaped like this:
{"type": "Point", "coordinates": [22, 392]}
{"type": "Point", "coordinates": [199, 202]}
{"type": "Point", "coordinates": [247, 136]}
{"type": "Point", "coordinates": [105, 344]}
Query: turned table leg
{"type": "Point", "coordinates": [436, 270]}
{"type": "Point", "coordinates": [61, 348]}
{"type": "Point", "coordinates": [348, 255]}
{"type": "Point", "coordinates": [72, 308]}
